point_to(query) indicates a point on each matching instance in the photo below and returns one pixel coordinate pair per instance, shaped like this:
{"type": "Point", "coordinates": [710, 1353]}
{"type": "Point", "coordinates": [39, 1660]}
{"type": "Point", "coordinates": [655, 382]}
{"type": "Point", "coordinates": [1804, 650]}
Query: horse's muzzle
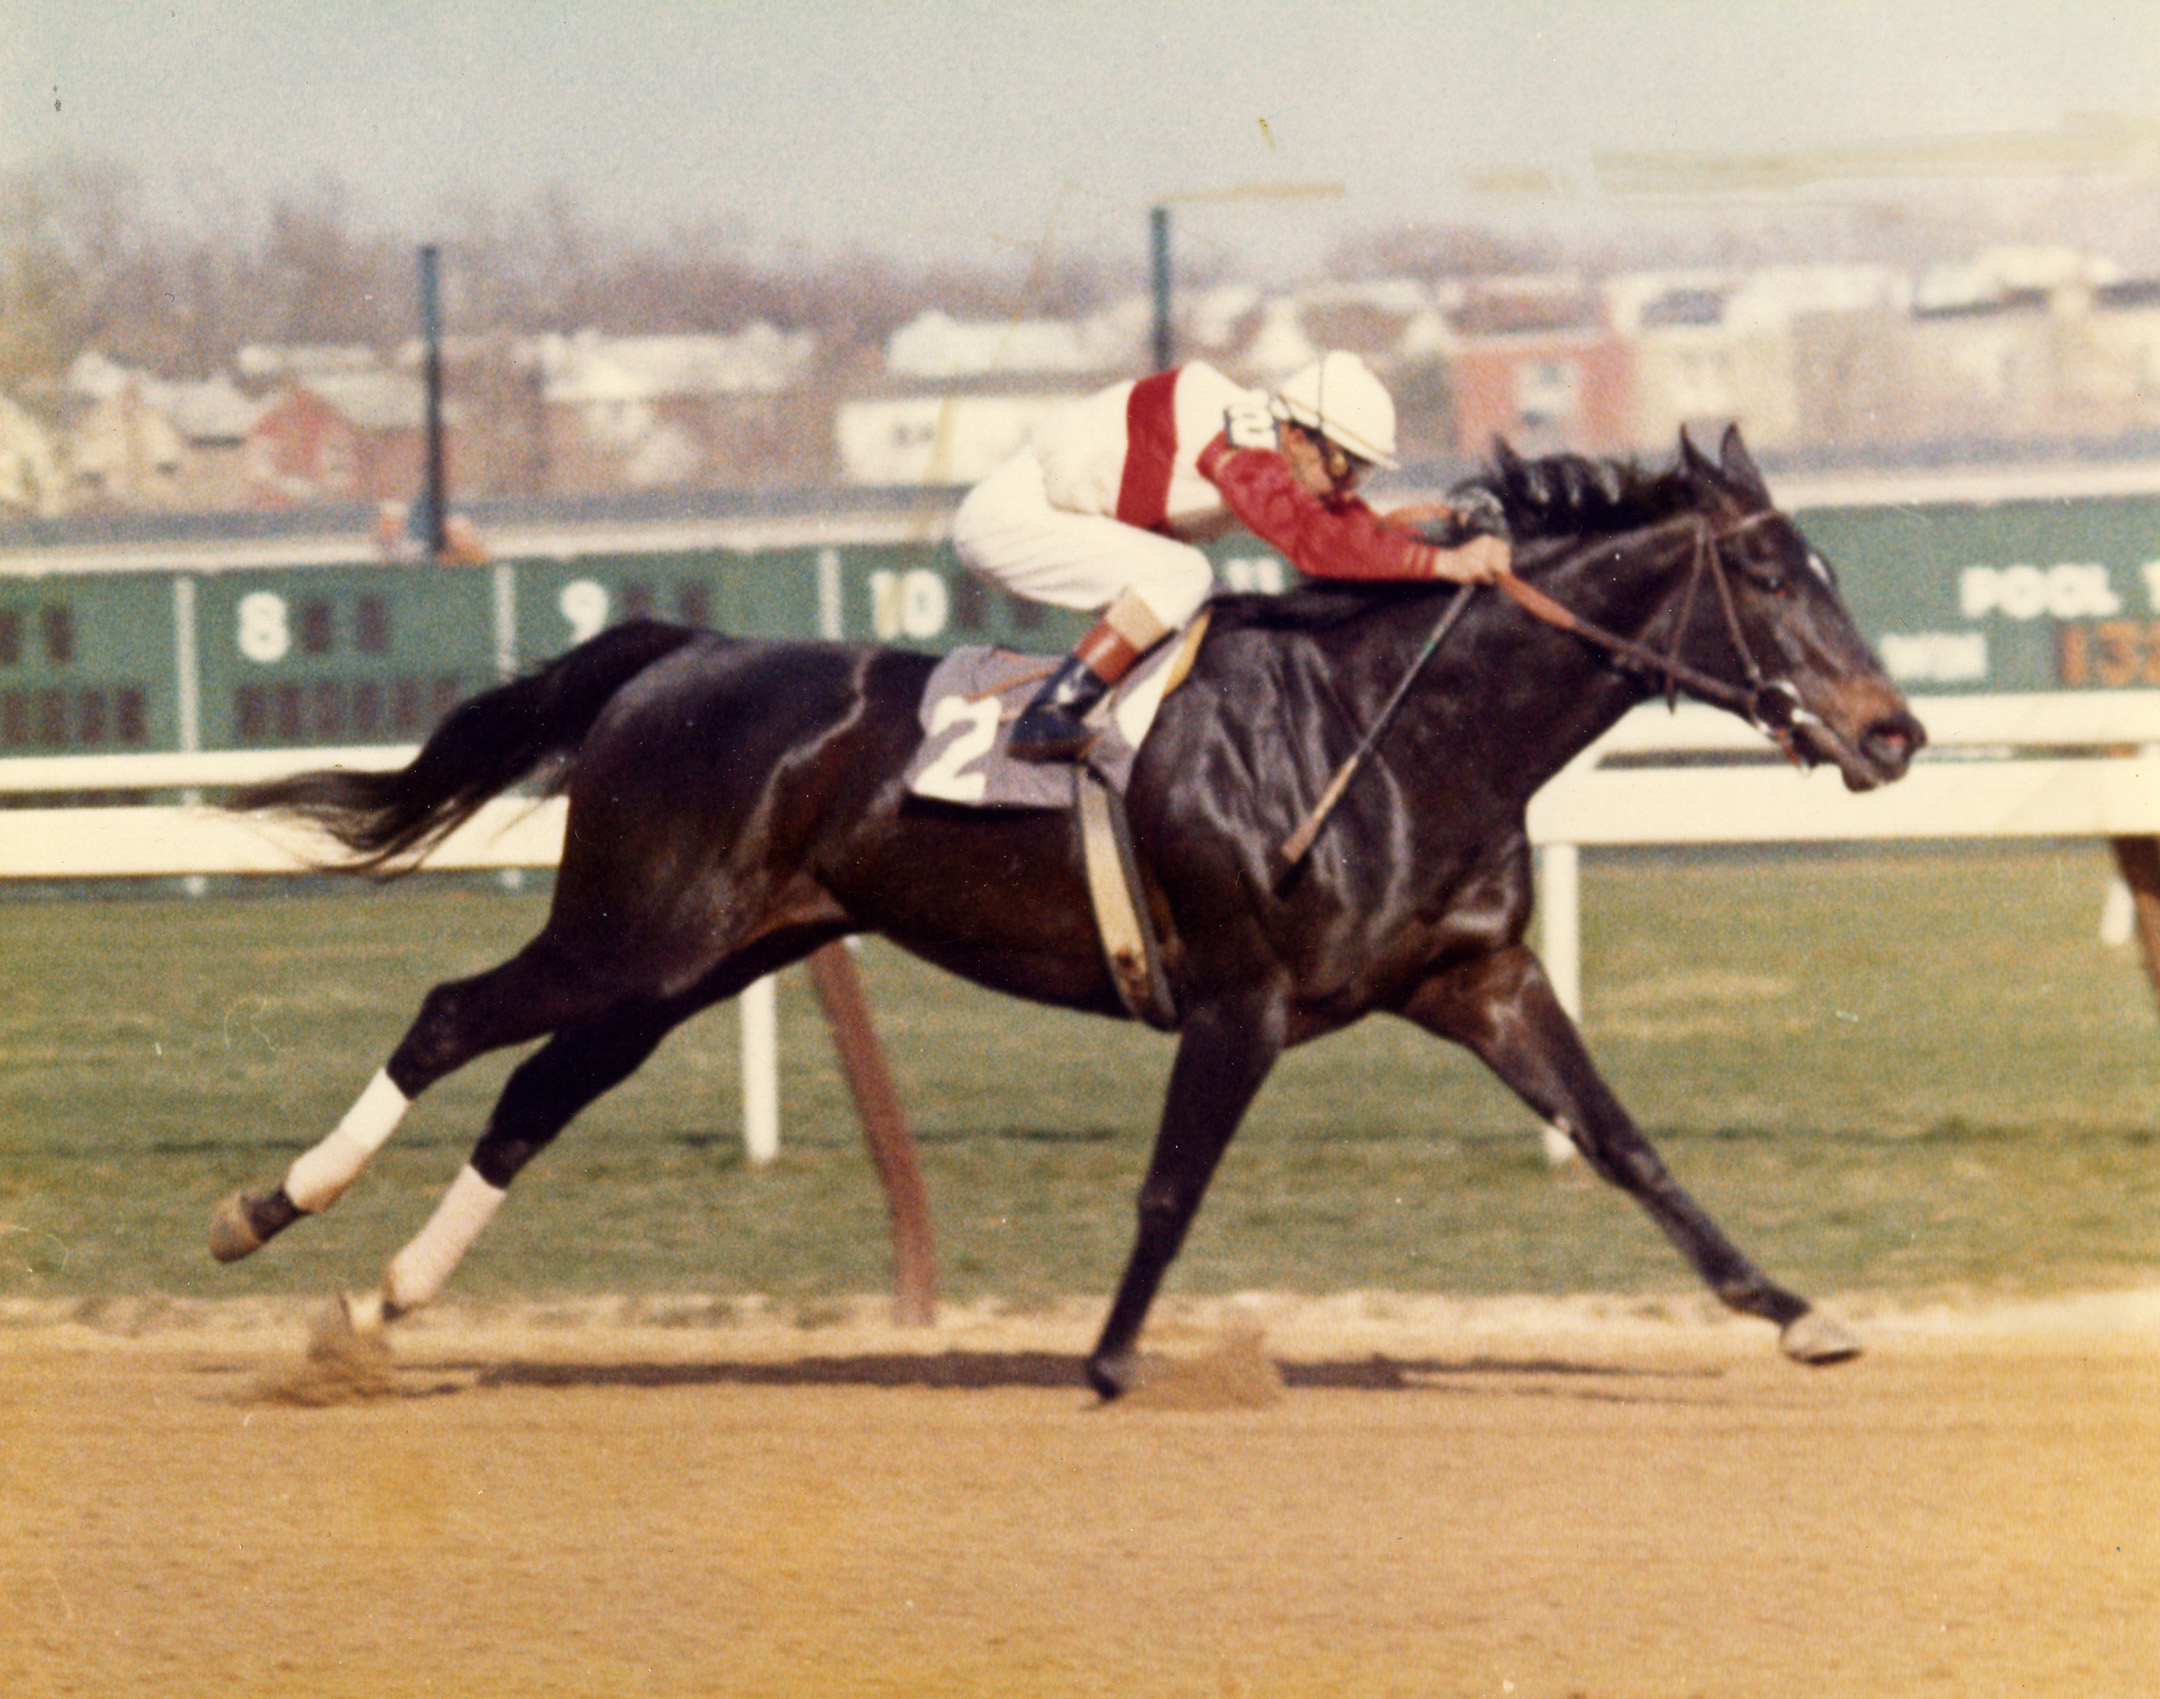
{"type": "Point", "coordinates": [1891, 743]}
{"type": "Point", "coordinates": [1878, 754]}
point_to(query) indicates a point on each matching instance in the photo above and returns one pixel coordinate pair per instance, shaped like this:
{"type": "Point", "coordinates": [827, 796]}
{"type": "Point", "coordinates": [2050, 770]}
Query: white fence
{"type": "Point", "coordinates": [2049, 765]}
{"type": "Point", "coordinates": [2046, 765]}
{"type": "Point", "coordinates": [188, 839]}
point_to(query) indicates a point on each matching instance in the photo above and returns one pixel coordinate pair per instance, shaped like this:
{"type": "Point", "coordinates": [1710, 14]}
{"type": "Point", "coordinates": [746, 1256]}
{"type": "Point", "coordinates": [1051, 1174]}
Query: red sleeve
{"type": "Point", "coordinates": [1321, 539]}
{"type": "Point", "coordinates": [1420, 513]}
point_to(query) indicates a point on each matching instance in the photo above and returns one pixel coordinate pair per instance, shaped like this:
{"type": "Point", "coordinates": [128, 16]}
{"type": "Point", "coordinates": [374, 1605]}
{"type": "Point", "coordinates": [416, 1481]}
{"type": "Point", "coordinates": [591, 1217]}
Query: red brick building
{"type": "Point", "coordinates": [1537, 363]}
{"type": "Point", "coordinates": [343, 437]}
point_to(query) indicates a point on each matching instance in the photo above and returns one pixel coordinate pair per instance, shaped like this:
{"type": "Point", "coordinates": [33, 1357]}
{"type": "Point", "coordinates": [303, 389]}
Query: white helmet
{"type": "Point", "coordinates": [1338, 396]}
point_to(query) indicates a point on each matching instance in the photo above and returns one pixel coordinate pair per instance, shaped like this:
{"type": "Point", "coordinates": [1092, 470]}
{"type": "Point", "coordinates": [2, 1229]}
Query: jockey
{"type": "Point", "coordinates": [1103, 514]}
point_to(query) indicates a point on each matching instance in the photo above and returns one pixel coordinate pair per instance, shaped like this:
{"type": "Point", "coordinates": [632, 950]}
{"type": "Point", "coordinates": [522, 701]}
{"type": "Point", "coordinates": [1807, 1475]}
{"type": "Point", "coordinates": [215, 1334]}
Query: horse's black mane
{"type": "Point", "coordinates": [1568, 495]}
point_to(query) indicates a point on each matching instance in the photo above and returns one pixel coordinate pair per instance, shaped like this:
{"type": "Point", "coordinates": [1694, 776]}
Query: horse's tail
{"type": "Point", "coordinates": [486, 744]}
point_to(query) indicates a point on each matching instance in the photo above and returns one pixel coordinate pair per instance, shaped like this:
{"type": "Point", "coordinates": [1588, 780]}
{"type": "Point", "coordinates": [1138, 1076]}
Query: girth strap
{"type": "Point", "coordinates": [1129, 946]}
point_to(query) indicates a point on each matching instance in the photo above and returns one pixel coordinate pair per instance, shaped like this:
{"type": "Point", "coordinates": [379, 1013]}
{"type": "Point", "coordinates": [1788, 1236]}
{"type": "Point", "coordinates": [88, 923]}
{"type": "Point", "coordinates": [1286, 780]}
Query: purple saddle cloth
{"type": "Point", "coordinates": [973, 697]}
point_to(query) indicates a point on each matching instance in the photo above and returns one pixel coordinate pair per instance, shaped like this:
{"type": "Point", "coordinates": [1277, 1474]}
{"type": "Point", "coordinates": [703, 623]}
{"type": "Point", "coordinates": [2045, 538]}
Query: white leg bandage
{"type": "Point", "coordinates": [319, 1178]}
{"type": "Point", "coordinates": [418, 1272]}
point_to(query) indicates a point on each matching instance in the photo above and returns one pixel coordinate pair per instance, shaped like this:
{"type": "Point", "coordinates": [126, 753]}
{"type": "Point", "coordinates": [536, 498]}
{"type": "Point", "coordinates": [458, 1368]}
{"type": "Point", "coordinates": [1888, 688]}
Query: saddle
{"type": "Point", "coordinates": [974, 695]}
{"type": "Point", "coordinates": [967, 710]}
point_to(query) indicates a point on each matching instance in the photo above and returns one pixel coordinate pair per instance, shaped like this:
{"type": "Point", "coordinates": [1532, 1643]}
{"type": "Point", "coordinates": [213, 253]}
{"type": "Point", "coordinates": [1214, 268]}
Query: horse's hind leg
{"type": "Point", "coordinates": [538, 990]}
{"type": "Point", "coordinates": [543, 1095]}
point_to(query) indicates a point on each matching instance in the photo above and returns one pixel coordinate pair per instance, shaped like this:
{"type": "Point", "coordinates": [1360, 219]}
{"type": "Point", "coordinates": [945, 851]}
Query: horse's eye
{"type": "Point", "coordinates": [1765, 576]}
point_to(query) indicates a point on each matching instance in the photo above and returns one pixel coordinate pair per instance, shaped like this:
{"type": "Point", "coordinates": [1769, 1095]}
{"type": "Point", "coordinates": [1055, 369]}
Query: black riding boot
{"type": "Point", "coordinates": [1052, 727]}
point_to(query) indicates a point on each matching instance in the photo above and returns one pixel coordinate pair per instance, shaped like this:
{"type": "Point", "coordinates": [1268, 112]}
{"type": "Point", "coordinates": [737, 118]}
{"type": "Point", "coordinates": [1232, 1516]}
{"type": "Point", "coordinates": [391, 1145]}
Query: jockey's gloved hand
{"type": "Point", "coordinates": [1249, 425]}
{"type": "Point", "coordinates": [1473, 512]}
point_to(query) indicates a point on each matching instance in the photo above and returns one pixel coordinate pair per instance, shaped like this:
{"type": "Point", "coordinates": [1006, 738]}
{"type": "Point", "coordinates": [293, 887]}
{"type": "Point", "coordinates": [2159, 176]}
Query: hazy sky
{"type": "Point", "coordinates": [935, 128]}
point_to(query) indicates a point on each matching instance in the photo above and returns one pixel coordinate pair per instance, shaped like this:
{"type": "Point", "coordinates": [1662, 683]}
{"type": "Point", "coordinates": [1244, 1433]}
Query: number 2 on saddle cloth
{"type": "Point", "coordinates": [973, 697]}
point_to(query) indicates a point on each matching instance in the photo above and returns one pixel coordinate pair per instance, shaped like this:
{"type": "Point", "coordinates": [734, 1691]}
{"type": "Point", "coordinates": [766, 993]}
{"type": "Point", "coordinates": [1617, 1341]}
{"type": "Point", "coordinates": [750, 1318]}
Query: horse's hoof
{"type": "Point", "coordinates": [1813, 1338]}
{"type": "Point", "coordinates": [1112, 1377]}
{"type": "Point", "coordinates": [247, 1221]}
{"type": "Point", "coordinates": [347, 1355]}
{"type": "Point", "coordinates": [346, 1321]}
{"type": "Point", "coordinates": [369, 1313]}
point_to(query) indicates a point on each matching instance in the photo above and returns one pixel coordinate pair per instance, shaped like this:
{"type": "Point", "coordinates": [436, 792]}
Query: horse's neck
{"type": "Point", "coordinates": [1568, 698]}
{"type": "Point", "coordinates": [1624, 581]}
{"type": "Point", "coordinates": [1569, 686]}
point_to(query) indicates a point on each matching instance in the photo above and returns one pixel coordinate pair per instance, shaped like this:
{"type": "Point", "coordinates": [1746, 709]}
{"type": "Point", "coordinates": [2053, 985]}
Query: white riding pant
{"type": "Point", "coordinates": [1008, 531]}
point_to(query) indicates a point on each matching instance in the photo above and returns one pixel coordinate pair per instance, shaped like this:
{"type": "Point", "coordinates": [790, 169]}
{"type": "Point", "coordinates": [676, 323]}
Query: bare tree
{"type": "Point", "coordinates": [317, 280]}
{"type": "Point", "coordinates": [1447, 250]}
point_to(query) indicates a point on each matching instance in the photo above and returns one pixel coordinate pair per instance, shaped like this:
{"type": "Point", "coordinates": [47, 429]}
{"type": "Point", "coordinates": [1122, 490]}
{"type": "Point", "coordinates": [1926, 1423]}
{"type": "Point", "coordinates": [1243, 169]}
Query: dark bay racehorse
{"type": "Point", "coordinates": [733, 805]}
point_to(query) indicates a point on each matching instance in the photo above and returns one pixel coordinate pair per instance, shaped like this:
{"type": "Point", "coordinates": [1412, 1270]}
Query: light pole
{"type": "Point", "coordinates": [433, 497]}
{"type": "Point", "coordinates": [1159, 241]}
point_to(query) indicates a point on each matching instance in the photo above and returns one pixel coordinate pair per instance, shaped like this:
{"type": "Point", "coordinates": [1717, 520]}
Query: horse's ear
{"type": "Point", "coordinates": [1739, 465]}
{"type": "Point", "coordinates": [1692, 459]}
{"type": "Point", "coordinates": [1509, 471]}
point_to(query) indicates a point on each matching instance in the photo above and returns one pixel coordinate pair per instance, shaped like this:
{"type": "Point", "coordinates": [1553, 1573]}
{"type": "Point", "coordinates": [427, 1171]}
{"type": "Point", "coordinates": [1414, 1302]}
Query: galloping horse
{"type": "Point", "coordinates": [734, 805]}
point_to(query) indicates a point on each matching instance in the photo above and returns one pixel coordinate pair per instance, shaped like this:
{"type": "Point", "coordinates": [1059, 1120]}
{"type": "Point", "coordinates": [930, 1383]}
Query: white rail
{"type": "Point", "coordinates": [190, 838]}
{"type": "Point", "coordinates": [132, 772]}
{"type": "Point", "coordinates": [2053, 765]}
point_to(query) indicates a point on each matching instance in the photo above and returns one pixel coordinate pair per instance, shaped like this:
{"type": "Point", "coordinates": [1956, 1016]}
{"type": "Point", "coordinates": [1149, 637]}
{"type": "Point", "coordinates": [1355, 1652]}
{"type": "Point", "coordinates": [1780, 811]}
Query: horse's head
{"type": "Point", "coordinates": [1695, 581]}
{"type": "Point", "coordinates": [1761, 610]}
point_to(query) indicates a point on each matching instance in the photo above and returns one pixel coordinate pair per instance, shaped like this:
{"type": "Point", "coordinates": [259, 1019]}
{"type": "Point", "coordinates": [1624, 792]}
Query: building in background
{"type": "Point", "coordinates": [1537, 364]}
{"type": "Point", "coordinates": [671, 412]}
{"type": "Point", "coordinates": [1707, 348]}
{"type": "Point", "coordinates": [31, 485]}
{"type": "Point", "coordinates": [139, 443]}
{"type": "Point", "coordinates": [343, 437]}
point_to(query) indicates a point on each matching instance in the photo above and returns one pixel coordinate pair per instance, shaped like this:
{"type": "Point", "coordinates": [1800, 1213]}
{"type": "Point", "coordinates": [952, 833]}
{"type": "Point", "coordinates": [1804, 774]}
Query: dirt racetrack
{"type": "Point", "coordinates": [1420, 1497]}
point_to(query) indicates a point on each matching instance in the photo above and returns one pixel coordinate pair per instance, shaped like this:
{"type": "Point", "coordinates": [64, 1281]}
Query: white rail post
{"type": "Point", "coordinates": [761, 1072]}
{"type": "Point", "coordinates": [760, 1003]}
{"type": "Point", "coordinates": [2118, 913]}
{"type": "Point", "coordinates": [1560, 923]}
{"type": "Point", "coordinates": [1560, 944]}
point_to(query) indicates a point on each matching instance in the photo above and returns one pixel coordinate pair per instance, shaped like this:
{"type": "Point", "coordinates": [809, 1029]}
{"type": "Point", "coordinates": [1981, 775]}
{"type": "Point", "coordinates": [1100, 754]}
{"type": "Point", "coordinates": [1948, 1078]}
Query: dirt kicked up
{"type": "Point", "coordinates": [1356, 1496]}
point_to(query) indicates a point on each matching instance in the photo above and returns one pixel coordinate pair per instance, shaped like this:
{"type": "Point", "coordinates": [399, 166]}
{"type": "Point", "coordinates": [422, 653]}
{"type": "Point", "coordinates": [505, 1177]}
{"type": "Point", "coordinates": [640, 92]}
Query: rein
{"type": "Point", "coordinates": [1770, 705]}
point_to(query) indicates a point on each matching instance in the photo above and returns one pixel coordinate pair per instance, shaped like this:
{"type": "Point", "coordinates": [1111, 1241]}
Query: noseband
{"type": "Point", "coordinates": [1772, 706]}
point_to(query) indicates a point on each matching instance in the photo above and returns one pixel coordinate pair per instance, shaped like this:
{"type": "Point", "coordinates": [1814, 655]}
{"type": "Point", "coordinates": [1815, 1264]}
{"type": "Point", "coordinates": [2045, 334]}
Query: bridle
{"type": "Point", "coordinates": [1770, 705]}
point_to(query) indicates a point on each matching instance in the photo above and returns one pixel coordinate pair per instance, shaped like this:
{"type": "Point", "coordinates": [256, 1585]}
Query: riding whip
{"type": "Point", "coordinates": [1298, 842]}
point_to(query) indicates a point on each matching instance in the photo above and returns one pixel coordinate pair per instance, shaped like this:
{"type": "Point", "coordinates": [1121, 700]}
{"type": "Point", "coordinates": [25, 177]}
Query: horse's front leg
{"type": "Point", "coordinates": [1224, 1053]}
{"type": "Point", "coordinates": [1502, 1008]}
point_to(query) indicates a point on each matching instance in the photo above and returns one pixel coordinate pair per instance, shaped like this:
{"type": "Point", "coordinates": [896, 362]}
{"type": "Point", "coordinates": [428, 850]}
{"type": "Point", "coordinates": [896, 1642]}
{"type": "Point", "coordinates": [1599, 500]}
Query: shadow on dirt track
{"type": "Point", "coordinates": [1053, 1371]}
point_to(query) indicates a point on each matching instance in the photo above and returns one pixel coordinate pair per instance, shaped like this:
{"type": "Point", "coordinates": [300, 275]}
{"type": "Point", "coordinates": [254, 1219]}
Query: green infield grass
{"type": "Point", "coordinates": [1909, 1073]}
